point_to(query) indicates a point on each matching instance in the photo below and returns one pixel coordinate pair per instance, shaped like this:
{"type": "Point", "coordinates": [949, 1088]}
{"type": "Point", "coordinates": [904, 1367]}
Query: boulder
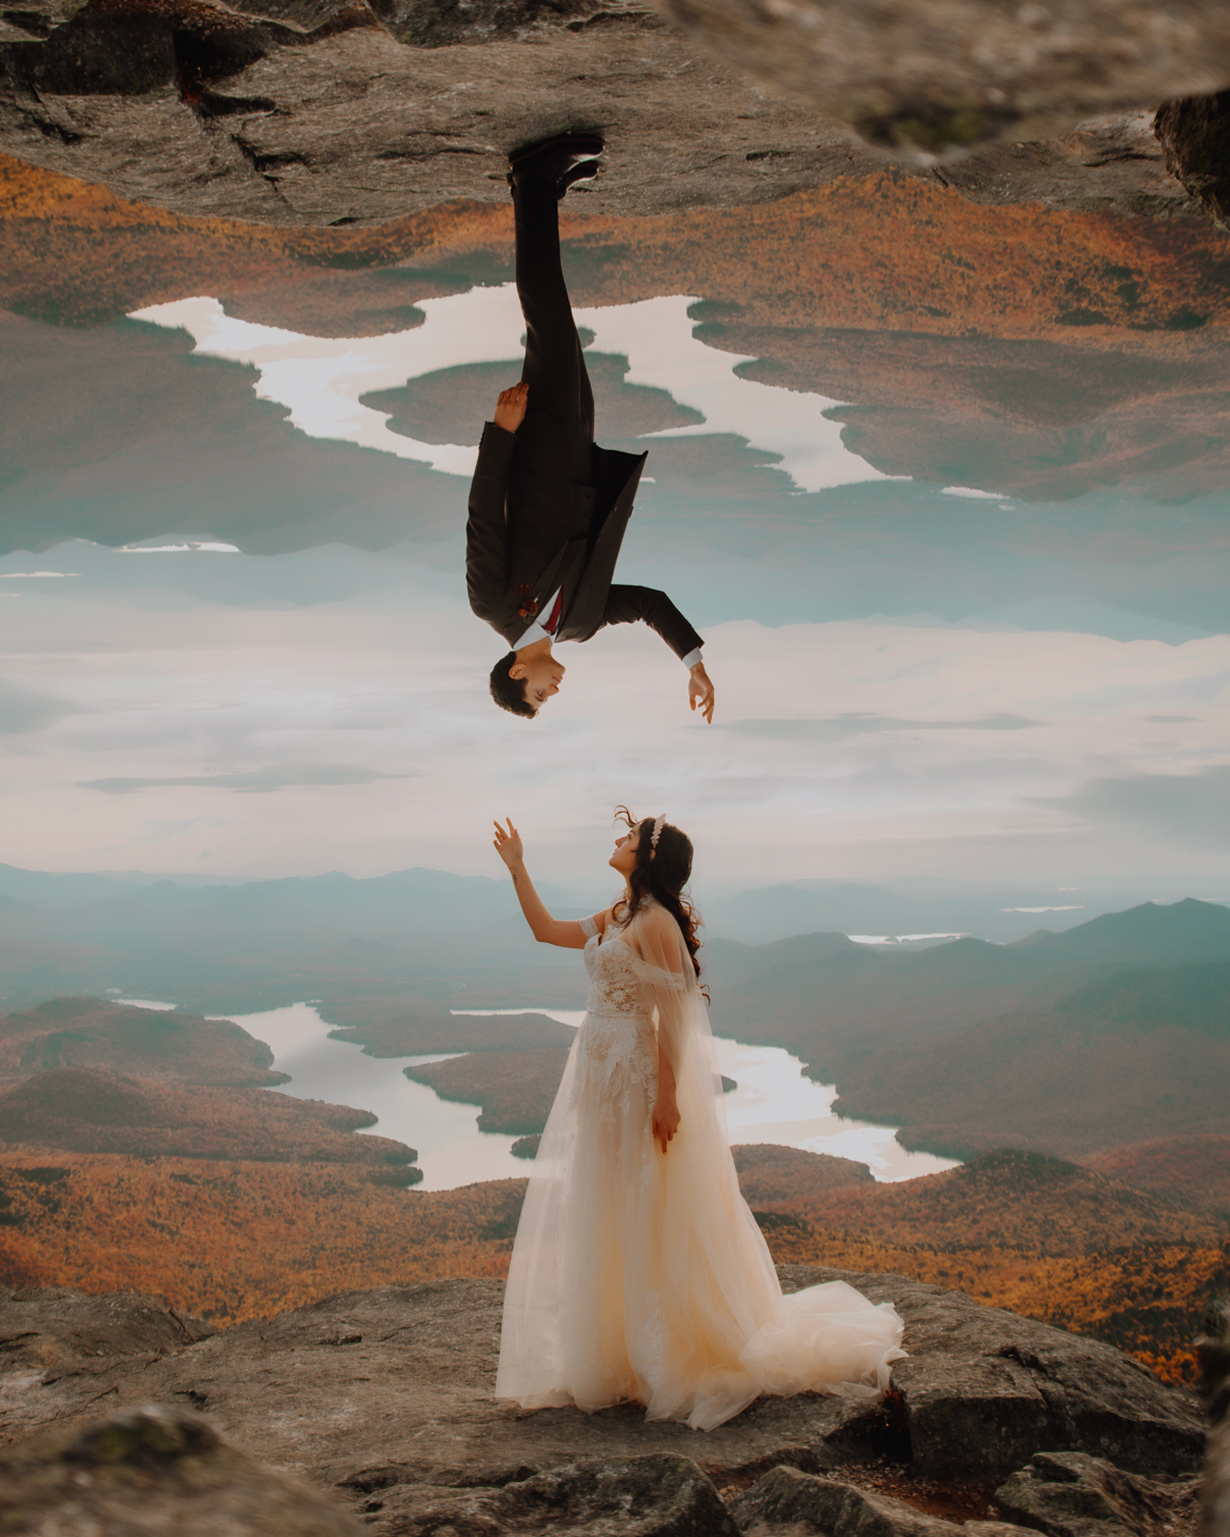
{"type": "Point", "coordinates": [802, 1502]}
{"type": "Point", "coordinates": [1194, 133]}
{"type": "Point", "coordinates": [1214, 1353]}
{"type": "Point", "coordinates": [30, 21]}
{"type": "Point", "coordinates": [945, 75]}
{"type": "Point", "coordinates": [1070, 1494]}
{"type": "Point", "coordinates": [155, 1470]}
{"type": "Point", "coordinates": [652, 1496]}
{"type": "Point", "coordinates": [984, 1389]}
{"type": "Point", "coordinates": [56, 1336]}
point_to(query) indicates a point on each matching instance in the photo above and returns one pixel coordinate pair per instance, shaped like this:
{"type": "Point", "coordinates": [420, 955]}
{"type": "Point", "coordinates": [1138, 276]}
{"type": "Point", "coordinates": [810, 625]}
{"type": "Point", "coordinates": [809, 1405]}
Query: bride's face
{"type": "Point", "coordinates": [624, 857]}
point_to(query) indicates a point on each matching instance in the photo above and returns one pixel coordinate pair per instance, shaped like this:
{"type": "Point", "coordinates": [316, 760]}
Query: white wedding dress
{"type": "Point", "coordinates": [642, 1276]}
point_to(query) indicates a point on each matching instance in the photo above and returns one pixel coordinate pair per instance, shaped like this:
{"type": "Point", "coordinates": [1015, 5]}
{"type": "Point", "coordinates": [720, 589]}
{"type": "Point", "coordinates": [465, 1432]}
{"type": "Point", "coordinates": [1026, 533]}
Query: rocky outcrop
{"type": "Point", "coordinates": [657, 1495]}
{"type": "Point", "coordinates": [385, 1397]}
{"type": "Point", "coordinates": [1194, 132]}
{"type": "Point", "coordinates": [789, 1500]}
{"type": "Point", "coordinates": [1070, 1494]}
{"type": "Point", "coordinates": [155, 1470]}
{"type": "Point", "coordinates": [48, 1335]}
{"type": "Point", "coordinates": [349, 125]}
{"type": "Point", "coordinates": [317, 113]}
{"type": "Point", "coordinates": [1214, 1353]}
{"type": "Point", "coordinates": [947, 74]}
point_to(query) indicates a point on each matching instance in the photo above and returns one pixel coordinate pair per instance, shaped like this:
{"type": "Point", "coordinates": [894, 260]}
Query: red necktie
{"type": "Point", "coordinates": [549, 627]}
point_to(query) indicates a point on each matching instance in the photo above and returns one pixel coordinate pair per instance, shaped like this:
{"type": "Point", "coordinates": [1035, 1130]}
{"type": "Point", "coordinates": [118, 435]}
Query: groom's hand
{"type": "Point", "coordinates": [510, 408]}
{"type": "Point", "coordinates": [700, 691]}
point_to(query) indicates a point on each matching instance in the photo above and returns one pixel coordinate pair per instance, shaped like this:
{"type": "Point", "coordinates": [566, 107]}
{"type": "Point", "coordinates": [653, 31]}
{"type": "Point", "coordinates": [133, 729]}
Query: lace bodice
{"type": "Point", "coordinates": [613, 985]}
{"type": "Point", "coordinates": [618, 1055]}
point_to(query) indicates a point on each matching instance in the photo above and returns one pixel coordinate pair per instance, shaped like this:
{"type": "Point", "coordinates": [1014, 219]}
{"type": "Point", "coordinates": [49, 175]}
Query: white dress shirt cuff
{"type": "Point", "coordinates": [693, 657]}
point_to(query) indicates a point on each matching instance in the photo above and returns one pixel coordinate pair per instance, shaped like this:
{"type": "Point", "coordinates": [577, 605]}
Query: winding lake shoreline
{"type": "Point", "coordinates": [773, 1102]}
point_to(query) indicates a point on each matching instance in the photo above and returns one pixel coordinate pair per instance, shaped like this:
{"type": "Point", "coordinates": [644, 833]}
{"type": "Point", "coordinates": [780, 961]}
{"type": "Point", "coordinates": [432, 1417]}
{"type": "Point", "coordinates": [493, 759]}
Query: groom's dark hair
{"type": "Point", "coordinates": [509, 693]}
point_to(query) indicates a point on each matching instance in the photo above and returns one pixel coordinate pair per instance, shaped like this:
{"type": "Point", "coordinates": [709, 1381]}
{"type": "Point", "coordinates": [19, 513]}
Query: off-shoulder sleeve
{"type": "Point", "coordinates": [668, 980]}
{"type": "Point", "coordinates": [589, 926]}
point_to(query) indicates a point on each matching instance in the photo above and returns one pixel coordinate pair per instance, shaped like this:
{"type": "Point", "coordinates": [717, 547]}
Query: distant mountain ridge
{"type": "Point", "coordinates": [1061, 1043]}
{"type": "Point", "coordinates": [421, 933]}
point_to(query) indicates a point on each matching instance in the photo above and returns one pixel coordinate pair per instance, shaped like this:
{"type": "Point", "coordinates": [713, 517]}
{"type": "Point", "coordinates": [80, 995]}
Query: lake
{"type": "Point", "coordinates": [773, 1103]}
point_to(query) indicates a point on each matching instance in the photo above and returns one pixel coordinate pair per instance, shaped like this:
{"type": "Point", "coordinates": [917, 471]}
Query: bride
{"type": "Point", "coordinates": [638, 1272]}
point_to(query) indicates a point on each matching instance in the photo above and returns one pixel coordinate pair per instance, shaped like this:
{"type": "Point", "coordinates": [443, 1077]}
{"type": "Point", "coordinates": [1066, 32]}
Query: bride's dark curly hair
{"type": "Point", "coordinates": [661, 873]}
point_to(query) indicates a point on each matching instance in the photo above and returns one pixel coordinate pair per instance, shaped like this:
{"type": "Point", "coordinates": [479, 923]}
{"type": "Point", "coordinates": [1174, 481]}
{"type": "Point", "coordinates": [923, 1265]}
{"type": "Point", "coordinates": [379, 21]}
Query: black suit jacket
{"type": "Point", "coordinates": [530, 533]}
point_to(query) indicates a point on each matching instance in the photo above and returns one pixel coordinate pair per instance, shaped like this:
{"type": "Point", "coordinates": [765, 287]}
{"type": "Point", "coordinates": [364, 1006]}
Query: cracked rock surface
{"type": "Point", "coordinates": [944, 75]}
{"type": "Point", "coordinates": [1070, 1494]}
{"type": "Point", "coordinates": [385, 1397]}
{"type": "Point", "coordinates": [323, 113]}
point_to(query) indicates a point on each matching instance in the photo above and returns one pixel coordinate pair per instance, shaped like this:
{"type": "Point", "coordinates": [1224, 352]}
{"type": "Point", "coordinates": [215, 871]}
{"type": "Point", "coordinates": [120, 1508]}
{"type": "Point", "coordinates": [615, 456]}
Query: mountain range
{"type": "Point", "coordinates": [417, 933]}
{"type": "Point", "coordinates": [1115, 1031]}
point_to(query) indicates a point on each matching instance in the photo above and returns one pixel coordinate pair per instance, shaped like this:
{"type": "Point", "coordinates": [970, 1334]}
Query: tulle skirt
{"type": "Point", "coordinates": [642, 1276]}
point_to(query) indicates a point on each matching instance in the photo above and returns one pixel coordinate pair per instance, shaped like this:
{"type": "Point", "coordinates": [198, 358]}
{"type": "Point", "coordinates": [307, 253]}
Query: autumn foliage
{"type": "Point", "coordinates": [237, 1240]}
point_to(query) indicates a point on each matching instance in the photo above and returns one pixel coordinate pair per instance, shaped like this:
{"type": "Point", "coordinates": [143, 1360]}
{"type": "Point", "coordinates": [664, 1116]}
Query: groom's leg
{"type": "Point", "coordinates": [554, 364]}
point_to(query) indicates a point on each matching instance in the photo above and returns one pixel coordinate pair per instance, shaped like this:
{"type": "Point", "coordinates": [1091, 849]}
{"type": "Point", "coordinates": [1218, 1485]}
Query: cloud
{"type": "Point", "coordinates": [253, 781]}
{"type": "Point", "coordinates": [1187, 808]}
{"type": "Point", "coordinates": [22, 712]}
{"type": "Point", "coordinates": [839, 728]}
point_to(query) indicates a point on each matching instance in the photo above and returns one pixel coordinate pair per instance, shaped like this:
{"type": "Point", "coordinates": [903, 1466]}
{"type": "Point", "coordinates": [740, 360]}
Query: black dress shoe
{"type": "Point", "coordinates": [564, 159]}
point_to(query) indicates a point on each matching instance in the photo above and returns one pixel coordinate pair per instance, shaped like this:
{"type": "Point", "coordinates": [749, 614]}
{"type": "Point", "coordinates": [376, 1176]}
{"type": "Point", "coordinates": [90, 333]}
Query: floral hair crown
{"type": "Point", "coordinates": [657, 832]}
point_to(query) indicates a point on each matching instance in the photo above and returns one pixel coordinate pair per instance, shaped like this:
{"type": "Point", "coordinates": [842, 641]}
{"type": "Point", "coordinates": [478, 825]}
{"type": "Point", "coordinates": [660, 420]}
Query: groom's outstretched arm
{"type": "Point", "coordinates": [626, 605]}
{"type": "Point", "coordinates": [486, 527]}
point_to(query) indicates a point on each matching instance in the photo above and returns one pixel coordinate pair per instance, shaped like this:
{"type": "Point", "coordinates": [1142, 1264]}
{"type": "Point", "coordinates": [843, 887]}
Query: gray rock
{"type": "Point", "coordinates": [1069, 1494]}
{"type": "Point", "coordinates": [57, 1336]}
{"type": "Point", "coordinates": [359, 122]}
{"type": "Point", "coordinates": [948, 74]}
{"type": "Point", "coordinates": [30, 21]}
{"type": "Point", "coordinates": [1214, 1352]}
{"type": "Point", "coordinates": [1194, 133]}
{"type": "Point", "coordinates": [154, 1470]}
{"type": "Point", "coordinates": [652, 1496]}
{"type": "Point", "coordinates": [787, 1498]}
{"type": "Point", "coordinates": [984, 1389]}
{"type": "Point", "coordinates": [353, 127]}
{"type": "Point", "coordinates": [367, 1392]}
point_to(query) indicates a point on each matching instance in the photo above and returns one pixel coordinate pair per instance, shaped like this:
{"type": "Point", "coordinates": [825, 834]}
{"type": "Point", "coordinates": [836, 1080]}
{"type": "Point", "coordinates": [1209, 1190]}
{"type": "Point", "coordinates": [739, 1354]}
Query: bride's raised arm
{"type": "Point", "coordinates": [565, 932]}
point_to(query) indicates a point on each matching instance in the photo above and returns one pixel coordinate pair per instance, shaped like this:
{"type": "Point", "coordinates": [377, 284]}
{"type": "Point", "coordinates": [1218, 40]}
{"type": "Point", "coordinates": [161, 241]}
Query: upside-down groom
{"type": "Point", "coordinates": [548, 506]}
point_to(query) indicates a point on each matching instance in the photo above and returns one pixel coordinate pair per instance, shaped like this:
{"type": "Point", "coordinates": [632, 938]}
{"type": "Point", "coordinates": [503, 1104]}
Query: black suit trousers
{"type": "Point", "coordinates": [557, 435]}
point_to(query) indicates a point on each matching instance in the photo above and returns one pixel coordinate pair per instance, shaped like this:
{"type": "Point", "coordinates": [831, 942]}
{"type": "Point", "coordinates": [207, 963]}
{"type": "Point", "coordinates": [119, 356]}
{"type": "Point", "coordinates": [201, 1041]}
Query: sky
{"type": "Point", "coordinates": [912, 679]}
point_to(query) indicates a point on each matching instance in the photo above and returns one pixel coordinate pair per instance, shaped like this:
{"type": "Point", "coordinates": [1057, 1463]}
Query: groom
{"type": "Point", "coordinates": [548, 507]}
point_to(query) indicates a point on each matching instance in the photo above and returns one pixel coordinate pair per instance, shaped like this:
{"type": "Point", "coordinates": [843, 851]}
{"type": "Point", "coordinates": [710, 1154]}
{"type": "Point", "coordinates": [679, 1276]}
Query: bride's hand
{"type": "Point", "coordinates": [665, 1121]}
{"type": "Point", "coordinates": [508, 845]}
